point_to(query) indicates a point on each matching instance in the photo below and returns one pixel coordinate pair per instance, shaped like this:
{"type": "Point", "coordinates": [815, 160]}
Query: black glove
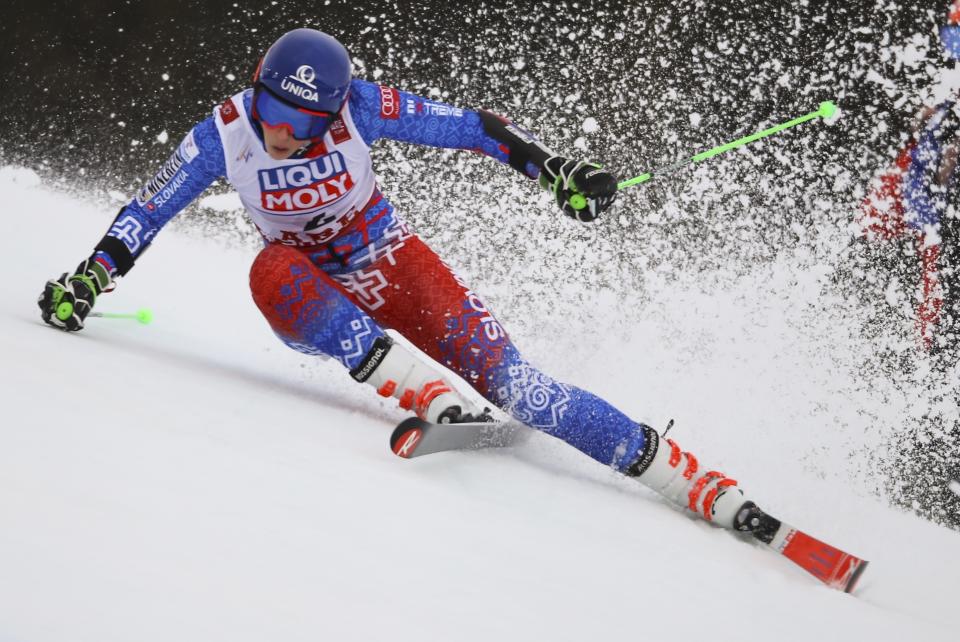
{"type": "Point", "coordinates": [66, 302]}
{"type": "Point", "coordinates": [582, 190]}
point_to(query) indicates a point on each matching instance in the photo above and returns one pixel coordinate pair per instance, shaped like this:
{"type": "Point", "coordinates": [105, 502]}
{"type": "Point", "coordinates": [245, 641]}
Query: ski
{"type": "Point", "coordinates": [837, 569]}
{"type": "Point", "coordinates": [415, 437]}
{"type": "Point", "coordinates": [832, 566]}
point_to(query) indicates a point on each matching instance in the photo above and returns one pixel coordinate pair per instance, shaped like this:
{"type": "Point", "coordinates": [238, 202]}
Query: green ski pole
{"type": "Point", "coordinates": [142, 315]}
{"type": "Point", "coordinates": [826, 110]}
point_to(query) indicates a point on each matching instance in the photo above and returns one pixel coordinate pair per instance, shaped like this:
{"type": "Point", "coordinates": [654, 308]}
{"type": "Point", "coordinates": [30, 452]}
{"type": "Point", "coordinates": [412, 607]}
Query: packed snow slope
{"type": "Point", "coordinates": [196, 480]}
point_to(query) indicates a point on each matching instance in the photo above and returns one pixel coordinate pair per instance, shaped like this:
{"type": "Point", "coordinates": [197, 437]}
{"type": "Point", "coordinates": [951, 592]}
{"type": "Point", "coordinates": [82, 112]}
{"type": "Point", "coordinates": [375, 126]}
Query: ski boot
{"type": "Point", "coordinates": [395, 371]}
{"type": "Point", "coordinates": [677, 475]}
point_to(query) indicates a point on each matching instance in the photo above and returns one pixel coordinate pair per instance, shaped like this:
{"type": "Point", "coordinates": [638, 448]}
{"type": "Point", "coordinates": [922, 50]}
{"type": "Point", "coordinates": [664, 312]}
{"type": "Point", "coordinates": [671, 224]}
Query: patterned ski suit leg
{"type": "Point", "coordinates": [307, 309]}
{"type": "Point", "coordinates": [421, 297]}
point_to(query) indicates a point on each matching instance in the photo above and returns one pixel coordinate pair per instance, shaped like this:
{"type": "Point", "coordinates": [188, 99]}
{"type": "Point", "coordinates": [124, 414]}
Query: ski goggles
{"type": "Point", "coordinates": [302, 123]}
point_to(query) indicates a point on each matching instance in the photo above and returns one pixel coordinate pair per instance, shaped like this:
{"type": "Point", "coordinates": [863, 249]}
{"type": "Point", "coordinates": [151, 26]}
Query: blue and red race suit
{"type": "Point", "coordinates": [910, 201]}
{"type": "Point", "coordinates": [330, 281]}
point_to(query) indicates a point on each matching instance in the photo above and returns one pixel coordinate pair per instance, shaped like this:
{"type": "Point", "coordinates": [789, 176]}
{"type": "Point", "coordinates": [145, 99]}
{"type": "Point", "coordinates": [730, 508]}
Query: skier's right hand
{"type": "Point", "coordinates": [582, 190]}
{"type": "Point", "coordinates": [66, 302]}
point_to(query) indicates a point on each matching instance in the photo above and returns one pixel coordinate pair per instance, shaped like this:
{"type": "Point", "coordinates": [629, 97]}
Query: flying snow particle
{"type": "Point", "coordinates": [892, 294]}
{"type": "Point", "coordinates": [590, 125]}
{"type": "Point", "coordinates": [580, 143]}
{"type": "Point", "coordinates": [163, 137]}
{"type": "Point", "coordinates": [165, 76]}
{"type": "Point", "coordinates": [231, 77]}
{"type": "Point", "coordinates": [695, 120]}
{"type": "Point", "coordinates": [955, 487]}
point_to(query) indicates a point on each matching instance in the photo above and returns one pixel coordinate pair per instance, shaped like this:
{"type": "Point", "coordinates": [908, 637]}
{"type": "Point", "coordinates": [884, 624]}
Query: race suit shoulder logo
{"type": "Point", "coordinates": [389, 103]}
{"type": "Point", "coordinates": [295, 189]}
{"type": "Point", "coordinates": [301, 84]}
{"type": "Point", "coordinates": [228, 112]}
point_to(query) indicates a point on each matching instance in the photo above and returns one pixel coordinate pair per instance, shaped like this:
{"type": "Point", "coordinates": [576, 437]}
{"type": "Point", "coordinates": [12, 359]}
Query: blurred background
{"type": "Point", "coordinates": [93, 86]}
{"type": "Point", "coordinates": [98, 94]}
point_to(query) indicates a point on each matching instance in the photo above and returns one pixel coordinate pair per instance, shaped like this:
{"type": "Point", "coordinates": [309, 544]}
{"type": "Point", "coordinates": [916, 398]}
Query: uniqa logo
{"type": "Point", "coordinates": [298, 90]}
{"type": "Point", "coordinates": [306, 75]}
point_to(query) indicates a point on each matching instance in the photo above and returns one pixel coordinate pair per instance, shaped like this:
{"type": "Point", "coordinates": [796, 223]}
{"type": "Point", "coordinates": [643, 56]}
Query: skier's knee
{"type": "Point", "coordinates": [272, 268]}
{"type": "Point", "coordinates": [282, 281]}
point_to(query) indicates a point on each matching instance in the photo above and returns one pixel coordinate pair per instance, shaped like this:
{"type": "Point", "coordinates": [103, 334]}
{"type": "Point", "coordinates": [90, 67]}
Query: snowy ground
{"type": "Point", "coordinates": [196, 480]}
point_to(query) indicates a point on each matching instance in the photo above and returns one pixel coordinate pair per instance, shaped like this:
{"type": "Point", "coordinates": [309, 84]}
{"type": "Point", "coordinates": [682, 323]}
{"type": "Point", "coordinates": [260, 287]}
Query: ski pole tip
{"type": "Point", "coordinates": [827, 109]}
{"type": "Point", "coordinates": [144, 316]}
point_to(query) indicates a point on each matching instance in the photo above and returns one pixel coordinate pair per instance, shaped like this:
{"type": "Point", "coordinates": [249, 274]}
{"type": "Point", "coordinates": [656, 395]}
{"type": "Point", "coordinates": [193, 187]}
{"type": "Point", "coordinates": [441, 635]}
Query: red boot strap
{"type": "Point", "coordinates": [406, 399]}
{"type": "Point", "coordinates": [430, 391]}
{"type": "Point", "coordinates": [674, 453]}
{"type": "Point", "coordinates": [712, 495]}
{"type": "Point", "coordinates": [692, 466]}
{"type": "Point", "coordinates": [700, 485]}
{"type": "Point", "coordinates": [387, 389]}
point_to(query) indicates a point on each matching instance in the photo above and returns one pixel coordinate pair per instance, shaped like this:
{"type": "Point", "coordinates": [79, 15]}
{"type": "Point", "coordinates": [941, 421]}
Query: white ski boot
{"type": "Point", "coordinates": [677, 475]}
{"type": "Point", "coordinates": [395, 371]}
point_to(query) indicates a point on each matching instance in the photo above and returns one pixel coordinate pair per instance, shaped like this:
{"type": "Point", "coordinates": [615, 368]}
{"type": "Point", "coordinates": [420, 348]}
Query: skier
{"type": "Point", "coordinates": [918, 200]}
{"type": "Point", "coordinates": [339, 265]}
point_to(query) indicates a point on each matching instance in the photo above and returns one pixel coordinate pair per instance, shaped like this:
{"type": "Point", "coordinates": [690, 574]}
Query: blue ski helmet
{"type": "Point", "coordinates": [308, 69]}
{"type": "Point", "coordinates": [950, 32]}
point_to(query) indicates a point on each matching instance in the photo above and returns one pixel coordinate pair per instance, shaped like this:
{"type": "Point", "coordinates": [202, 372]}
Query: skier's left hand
{"type": "Point", "coordinates": [582, 190]}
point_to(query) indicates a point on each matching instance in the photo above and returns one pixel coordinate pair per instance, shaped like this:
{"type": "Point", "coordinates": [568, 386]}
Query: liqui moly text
{"type": "Point", "coordinates": [306, 186]}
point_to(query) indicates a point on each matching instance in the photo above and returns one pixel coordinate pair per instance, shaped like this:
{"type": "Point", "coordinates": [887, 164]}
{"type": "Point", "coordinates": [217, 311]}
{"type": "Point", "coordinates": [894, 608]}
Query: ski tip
{"type": "Point", "coordinates": [407, 443]}
{"type": "Point", "coordinates": [406, 436]}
